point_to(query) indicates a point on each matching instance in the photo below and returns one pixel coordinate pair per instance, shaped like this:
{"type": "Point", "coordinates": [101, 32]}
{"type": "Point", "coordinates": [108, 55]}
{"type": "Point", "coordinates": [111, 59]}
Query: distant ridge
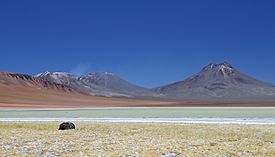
{"type": "Point", "coordinates": [215, 81]}
{"type": "Point", "coordinates": [98, 84]}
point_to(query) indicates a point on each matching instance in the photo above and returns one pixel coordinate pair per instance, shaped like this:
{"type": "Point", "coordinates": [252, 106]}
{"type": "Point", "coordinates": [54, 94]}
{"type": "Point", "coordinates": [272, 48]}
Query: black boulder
{"type": "Point", "coordinates": [66, 126]}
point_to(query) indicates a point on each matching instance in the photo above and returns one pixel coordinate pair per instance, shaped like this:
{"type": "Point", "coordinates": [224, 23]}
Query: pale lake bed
{"type": "Point", "coordinates": [126, 112]}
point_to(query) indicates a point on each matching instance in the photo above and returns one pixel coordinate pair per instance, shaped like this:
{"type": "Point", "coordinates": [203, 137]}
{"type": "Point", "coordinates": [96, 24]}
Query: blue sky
{"type": "Point", "coordinates": [149, 43]}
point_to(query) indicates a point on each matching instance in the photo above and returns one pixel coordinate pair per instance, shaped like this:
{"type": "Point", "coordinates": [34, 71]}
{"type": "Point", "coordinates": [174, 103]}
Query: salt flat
{"type": "Point", "coordinates": [258, 121]}
{"type": "Point", "coordinates": [144, 112]}
{"type": "Point", "coordinates": [219, 115]}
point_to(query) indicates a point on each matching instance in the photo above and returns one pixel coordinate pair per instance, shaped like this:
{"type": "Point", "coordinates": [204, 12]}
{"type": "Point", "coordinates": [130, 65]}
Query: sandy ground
{"type": "Point", "coordinates": [18, 96]}
{"type": "Point", "coordinates": [12, 96]}
{"type": "Point", "coordinates": [98, 102]}
{"type": "Point", "coordinates": [136, 139]}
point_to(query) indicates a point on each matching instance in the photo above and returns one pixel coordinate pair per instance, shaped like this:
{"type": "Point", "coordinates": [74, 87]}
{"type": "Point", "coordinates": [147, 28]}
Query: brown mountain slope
{"type": "Point", "coordinates": [24, 91]}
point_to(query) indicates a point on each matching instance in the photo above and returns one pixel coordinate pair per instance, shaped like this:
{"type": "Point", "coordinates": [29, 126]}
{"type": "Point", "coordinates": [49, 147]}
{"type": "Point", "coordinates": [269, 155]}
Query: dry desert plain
{"type": "Point", "coordinates": [92, 138]}
{"type": "Point", "coordinates": [136, 139]}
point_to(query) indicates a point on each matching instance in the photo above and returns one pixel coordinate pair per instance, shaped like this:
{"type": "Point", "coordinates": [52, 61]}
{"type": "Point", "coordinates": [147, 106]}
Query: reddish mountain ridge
{"type": "Point", "coordinates": [24, 91]}
{"type": "Point", "coordinates": [16, 79]}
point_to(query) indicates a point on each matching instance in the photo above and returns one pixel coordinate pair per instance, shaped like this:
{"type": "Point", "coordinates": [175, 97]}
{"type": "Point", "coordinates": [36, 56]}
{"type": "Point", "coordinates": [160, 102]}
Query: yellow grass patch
{"type": "Point", "coordinates": [135, 139]}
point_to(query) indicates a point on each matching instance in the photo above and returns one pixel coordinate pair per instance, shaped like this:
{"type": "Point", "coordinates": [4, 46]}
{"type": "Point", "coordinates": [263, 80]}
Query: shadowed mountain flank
{"type": "Point", "coordinates": [98, 84]}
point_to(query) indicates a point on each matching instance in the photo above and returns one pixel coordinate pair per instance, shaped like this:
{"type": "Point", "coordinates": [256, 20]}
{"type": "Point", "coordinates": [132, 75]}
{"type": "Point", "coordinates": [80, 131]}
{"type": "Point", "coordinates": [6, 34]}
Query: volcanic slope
{"type": "Point", "coordinates": [218, 80]}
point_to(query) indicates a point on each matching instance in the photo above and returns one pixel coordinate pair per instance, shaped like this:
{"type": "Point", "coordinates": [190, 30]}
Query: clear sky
{"type": "Point", "coordinates": [149, 43]}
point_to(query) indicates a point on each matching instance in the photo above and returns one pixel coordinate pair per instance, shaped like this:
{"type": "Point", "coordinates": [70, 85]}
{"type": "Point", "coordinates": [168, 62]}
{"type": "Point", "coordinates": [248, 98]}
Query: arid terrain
{"type": "Point", "coordinates": [136, 139]}
{"type": "Point", "coordinates": [25, 91]}
{"type": "Point", "coordinates": [14, 95]}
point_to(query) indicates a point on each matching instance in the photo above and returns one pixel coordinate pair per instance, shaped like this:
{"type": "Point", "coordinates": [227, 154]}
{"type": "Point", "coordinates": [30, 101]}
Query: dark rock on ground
{"type": "Point", "coordinates": [66, 126]}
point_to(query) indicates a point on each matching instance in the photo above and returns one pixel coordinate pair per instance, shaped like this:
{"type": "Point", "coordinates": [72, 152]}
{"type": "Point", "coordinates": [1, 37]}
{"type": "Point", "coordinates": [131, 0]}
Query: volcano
{"type": "Point", "coordinates": [218, 80]}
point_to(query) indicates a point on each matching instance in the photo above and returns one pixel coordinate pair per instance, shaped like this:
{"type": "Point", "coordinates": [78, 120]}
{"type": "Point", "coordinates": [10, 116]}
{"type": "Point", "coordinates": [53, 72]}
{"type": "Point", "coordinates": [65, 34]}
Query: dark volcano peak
{"type": "Point", "coordinates": [222, 68]}
{"type": "Point", "coordinates": [219, 66]}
